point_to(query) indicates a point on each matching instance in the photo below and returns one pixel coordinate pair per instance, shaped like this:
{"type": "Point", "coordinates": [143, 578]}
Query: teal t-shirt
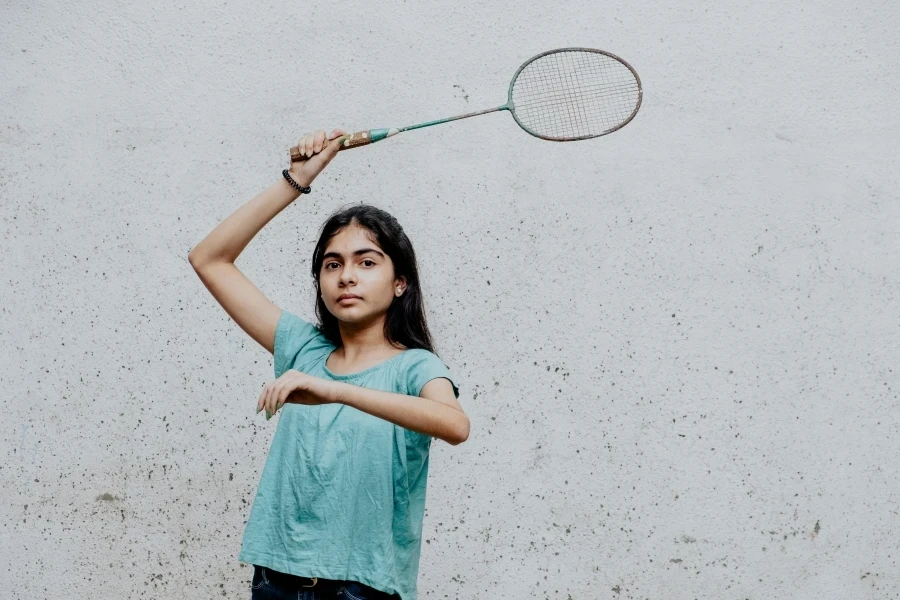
{"type": "Point", "coordinates": [342, 493]}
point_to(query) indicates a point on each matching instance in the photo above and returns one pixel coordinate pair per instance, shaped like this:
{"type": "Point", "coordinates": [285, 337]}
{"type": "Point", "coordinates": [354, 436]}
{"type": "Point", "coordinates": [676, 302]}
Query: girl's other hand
{"type": "Point", "coordinates": [292, 387]}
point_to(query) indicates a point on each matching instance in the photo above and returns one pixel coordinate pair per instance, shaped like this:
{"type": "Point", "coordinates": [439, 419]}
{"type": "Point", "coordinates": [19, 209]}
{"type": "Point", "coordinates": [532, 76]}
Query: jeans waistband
{"type": "Point", "coordinates": [287, 579]}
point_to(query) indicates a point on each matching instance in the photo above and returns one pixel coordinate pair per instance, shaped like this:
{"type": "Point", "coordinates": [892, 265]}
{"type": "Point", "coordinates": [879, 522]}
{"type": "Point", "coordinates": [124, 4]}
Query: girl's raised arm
{"type": "Point", "coordinates": [213, 258]}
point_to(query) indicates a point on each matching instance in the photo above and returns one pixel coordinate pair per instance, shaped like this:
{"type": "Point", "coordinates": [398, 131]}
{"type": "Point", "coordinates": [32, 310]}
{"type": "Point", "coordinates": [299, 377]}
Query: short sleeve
{"type": "Point", "coordinates": [295, 339]}
{"type": "Point", "coordinates": [422, 368]}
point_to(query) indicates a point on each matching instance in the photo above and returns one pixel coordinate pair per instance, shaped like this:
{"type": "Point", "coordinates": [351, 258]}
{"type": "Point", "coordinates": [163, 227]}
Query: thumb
{"type": "Point", "coordinates": [336, 138]}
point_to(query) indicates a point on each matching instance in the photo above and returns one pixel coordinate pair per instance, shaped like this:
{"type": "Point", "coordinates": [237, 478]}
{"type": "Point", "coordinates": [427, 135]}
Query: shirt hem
{"type": "Point", "coordinates": [300, 569]}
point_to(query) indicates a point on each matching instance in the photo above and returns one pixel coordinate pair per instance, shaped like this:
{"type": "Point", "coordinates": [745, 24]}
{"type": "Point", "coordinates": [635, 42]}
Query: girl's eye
{"type": "Point", "coordinates": [369, 261]}
{"type": "Point", "coordinates": [328, 266]}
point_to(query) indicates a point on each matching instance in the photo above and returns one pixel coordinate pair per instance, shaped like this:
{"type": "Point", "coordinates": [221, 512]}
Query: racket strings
{"type": "Point", "coordinates": [575, 94]}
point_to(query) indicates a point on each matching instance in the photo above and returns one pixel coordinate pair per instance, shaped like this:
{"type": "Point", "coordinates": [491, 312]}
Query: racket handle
{"type": "Point", "coordinates": [360, 138]}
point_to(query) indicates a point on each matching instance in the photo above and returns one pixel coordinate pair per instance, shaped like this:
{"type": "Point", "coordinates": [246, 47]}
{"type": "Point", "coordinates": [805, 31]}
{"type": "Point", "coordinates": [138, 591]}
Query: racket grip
{"type": "Point", "coordinates": [360, 138]}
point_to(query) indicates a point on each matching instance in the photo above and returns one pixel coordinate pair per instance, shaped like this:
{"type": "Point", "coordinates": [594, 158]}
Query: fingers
{"type": "Point", "coordinates": [273, 398]}
{"type": "Point", "coordinates": [269, 400]}
{"type": "Point", "coordinates": [280, 398]}
{"type": "Point", "coordinates": [276, 398]}
{"type": "Point", "coordinates": [313, 143]}
{"type": "Point", "coordinates": [268, 403]}
{"type": "Point", "coordinates": [318, 140]}
{"type": "Point", "coordinates": [261, 403]}
{"type": "Point", "coordinates": [272, 405]}
{"type": "Point", "coordinates": [305, 145]}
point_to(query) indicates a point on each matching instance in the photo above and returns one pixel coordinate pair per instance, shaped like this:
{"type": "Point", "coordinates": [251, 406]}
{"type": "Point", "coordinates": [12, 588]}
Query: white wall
{"type": "Point", "coordinates": [678, 344]}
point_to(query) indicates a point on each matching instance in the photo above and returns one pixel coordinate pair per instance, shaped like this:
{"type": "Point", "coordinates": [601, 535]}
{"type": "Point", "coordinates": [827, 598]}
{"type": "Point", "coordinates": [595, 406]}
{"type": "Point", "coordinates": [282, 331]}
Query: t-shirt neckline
{"type": "Point", "coordinates": [374, 367]}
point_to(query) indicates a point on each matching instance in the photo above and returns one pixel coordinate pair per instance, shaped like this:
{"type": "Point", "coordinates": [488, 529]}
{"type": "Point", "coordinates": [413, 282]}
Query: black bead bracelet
{"type": "Point", "coordinates": [300, 188]}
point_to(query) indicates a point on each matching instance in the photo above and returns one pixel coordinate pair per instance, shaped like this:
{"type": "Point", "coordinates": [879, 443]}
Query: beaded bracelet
{"type": "Point", "coordinates": [300, 188]}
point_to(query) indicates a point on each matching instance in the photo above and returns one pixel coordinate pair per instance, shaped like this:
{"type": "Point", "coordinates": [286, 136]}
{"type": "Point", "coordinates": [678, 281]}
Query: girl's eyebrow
{"type": "Point", "coordinates": [359, 252]}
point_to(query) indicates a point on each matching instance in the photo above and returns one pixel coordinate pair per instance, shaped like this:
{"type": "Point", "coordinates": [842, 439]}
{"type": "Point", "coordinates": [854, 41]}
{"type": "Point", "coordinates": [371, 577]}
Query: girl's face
{"type": "Point", "coordinates": [356, 266]}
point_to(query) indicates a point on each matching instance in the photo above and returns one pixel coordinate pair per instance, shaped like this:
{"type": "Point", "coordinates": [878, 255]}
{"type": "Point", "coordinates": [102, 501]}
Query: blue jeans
{"type": "Point", "coordinates": [273, 585]}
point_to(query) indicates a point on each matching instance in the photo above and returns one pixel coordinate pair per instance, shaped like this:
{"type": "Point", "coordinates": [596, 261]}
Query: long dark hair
{"type": "Point", "coordinates": [405, 322]}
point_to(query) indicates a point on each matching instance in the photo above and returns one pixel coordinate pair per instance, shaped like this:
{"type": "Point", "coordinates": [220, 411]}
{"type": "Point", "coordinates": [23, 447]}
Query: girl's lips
{"type": "Point", "coordinates": [348, 300]}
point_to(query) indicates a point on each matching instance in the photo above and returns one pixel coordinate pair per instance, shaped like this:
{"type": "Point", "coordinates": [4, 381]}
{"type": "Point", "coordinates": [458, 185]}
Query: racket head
{"type": "Point", "coordinates": [572, 94]}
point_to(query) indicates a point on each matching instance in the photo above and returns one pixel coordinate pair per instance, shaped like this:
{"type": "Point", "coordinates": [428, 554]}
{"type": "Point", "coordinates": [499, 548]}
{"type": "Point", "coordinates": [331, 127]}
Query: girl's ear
{"type": "Point", "coordinates": [399, 286]}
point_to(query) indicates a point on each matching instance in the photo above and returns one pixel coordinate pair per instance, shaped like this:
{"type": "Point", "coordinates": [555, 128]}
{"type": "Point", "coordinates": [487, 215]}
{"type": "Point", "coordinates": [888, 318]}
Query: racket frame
{"type": "Point", "coordinates": [512, 109]}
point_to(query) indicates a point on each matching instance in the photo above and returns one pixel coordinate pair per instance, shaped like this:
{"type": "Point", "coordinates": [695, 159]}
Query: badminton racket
{"type": "Point", "coordinates": [560, 95]}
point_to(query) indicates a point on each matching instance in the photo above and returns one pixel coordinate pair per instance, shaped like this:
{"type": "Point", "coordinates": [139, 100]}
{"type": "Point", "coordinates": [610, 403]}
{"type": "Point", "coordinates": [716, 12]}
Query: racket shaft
{"type": "Point", "coordinates": [456, 118]}
{"type": "Point", "coordinates": [364, 138]}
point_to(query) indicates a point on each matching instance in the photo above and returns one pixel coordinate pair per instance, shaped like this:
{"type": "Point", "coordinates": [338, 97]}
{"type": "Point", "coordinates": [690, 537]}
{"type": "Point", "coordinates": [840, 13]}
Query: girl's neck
{"type": "Point", "coordinates": [364, 344]}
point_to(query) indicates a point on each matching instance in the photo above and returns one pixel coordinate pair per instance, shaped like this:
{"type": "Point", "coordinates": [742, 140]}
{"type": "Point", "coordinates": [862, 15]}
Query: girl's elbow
{"type": "Point", "coordinates": [461, 434]}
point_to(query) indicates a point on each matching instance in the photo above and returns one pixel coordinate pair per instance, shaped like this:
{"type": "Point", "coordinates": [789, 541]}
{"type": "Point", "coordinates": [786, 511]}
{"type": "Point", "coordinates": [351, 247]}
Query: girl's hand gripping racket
{"type": "Point", "coordinates": [560, 95]}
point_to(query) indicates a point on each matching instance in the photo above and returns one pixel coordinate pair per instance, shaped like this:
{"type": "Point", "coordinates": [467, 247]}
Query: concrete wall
{"type": "Point", "coordinates": [678, 344]}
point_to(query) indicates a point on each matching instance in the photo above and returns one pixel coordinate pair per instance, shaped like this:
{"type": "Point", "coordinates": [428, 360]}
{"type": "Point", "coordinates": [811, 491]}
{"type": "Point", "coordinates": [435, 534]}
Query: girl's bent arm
{"type": "Point", "coordinates": [436, 412]}
{"type": "Point", "coordinates": [213, 260]}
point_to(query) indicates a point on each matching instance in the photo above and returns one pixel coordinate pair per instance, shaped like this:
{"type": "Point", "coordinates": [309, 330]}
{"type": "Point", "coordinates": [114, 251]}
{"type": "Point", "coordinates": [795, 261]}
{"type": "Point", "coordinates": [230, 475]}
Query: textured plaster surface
{"type": "Point", "coordinates": [678, 344]}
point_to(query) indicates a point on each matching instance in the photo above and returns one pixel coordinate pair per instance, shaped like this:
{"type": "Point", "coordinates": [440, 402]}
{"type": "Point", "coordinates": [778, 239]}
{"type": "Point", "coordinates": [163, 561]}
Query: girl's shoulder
{"type": "Point", "coordinates": [419, 366]}
{"type": "Point", "coordinates": [297, 342]}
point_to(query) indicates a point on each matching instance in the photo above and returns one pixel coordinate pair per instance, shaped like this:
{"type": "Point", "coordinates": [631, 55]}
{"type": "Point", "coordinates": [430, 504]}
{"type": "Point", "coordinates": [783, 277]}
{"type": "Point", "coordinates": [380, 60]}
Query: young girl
{"type": "Point", "coordinates": [338, 512]}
